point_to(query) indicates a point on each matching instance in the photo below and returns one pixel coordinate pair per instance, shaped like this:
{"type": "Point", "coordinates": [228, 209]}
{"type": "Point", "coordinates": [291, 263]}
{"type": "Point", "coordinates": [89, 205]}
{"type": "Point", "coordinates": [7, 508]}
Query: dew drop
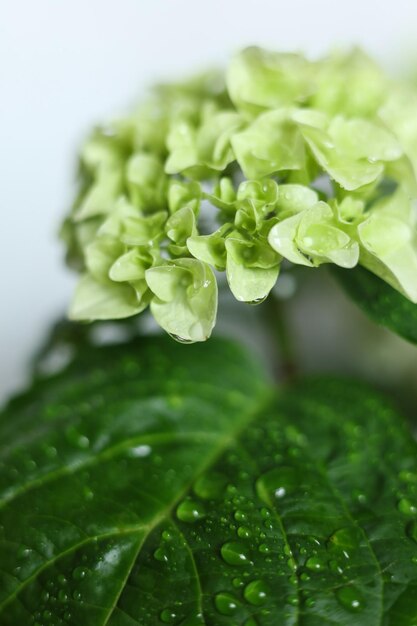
{"type": "Point", "coordinates": [240, 516]}
{"type": "Point", "coordinates": [256, 592]}
{"type": "Point", "coordinates": [408, 477]}
{"type": "Point", "coordinates": [244, 532]}
{"type": "Point", "coordinates": [406, 507]}
{"type": "Point", "coordinates": [168, 616]}
{"type": "Point", "coordinates": [77, 439]}
{"type": "Point", "coordinates": [62, 596]}
{"type": "Point", "coordinates": [234, 553]}
{"type": "Point", "coordinates": [257, 300]}
{"type": "Point", "coordinates": [79, 573]}
{"type": "Point", "coordinates": [314, 564]}
{"type": "Point", "coordinates": [335, 567]}
{"type": "Point", "coordinates": [350, 598]}
{"type": "Point", "coordinates": [190, 511]}
{"type": "Point", "coordinates": [180, 339]}
{"type": "Point", "coordinates": [23, 552]}
{"type": "Point", "coordinates": [160, 555]}
{"type": "Point", "coordinates": [345, 538]}
{"type": "Point", "coordinates": [226, 604]}
{"type": "Point", "coordinates": [140, 451]}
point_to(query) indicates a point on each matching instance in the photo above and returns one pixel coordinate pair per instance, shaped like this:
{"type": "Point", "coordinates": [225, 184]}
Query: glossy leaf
{"type": "Point", "coordinates": [383, 304]}
{"type": "Point", "coordinates": [156, 483]}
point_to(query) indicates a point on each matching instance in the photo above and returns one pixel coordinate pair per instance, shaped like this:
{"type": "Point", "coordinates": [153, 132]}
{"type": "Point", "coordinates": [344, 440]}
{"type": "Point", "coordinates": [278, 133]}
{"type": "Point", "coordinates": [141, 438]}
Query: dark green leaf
{"type": "Point", "coordinates": [163, 484]}
{"type": "Point", "coordinates": [381, 302]}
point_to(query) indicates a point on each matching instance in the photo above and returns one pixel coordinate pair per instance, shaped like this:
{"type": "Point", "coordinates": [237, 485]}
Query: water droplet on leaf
{"type": "Point", "coordinates": [256, 592]}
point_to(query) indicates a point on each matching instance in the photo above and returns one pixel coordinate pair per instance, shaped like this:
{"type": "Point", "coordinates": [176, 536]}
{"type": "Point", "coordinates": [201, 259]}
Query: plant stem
{"type": "Point", "coordinates": [284, 354]}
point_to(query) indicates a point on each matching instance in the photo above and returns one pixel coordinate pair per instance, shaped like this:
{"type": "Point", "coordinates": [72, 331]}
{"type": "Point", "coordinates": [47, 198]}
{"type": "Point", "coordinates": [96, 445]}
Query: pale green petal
{"type": "Point", "coordinates": [181, 225]}
{"type": "Point", "coordinates": [130, 266]}
{"type": "Point", "coordinates": [251, 252]}
{"type": "Point", "coordinates": [101, 196]}
{"type": "Point", "coordinates": [98, 301]}
{"type": "Point", "coordinates": [213, 140]}
{"type": "Point", "coordinates": [399, 114]}
{"type": "Point", "coordinates": [351, 174]}
{"type": "Point", "coordinates": [182, 148]}
{"type": "Point", "coordinates": [100, 256]}
{"type": "Point", "coordinates": [349, 83]}
{"type": "Point", "coordinates": [250, 284]}
{"type": "Point", "coordinates": [361, 139]}
{"type": "Point", "coordinates": [223, 195]}
{"type": "Point", "coordinates": [312, 237]}
{"type": "Point", "coordinates": [258, 79]}
{"type": "Point", "coordinates": [350, 210]}
{"type": "Point", "coordinates": [186, 299]}
{"type": "Point", "coordinates": [295, 198]}
{"type": "Point", "coordinates": [210, 248]}
{"type": "Point", "coordinates": [146, 182]}
{"type": "Point", "coordinates": [181, 194]}
{"type": "Point", "coordinates": [143, 231]}
{"type": "Point", "coordinates": [389, 243]}
{"type": "Point", "coordinates": [261, 193]}
{"type": "Point", "coordinates": [319, 238]}
{"type": "Point", "coordinates": [272, 143]}
{"type": "Point", "coordinates": [113, 224]}
{"type": "Point", "coordinates": [282, 238]}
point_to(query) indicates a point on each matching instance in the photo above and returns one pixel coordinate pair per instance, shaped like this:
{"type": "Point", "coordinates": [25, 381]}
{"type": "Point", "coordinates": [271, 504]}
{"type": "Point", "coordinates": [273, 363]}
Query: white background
{"type": "Point", "coordinates": [65, 64]}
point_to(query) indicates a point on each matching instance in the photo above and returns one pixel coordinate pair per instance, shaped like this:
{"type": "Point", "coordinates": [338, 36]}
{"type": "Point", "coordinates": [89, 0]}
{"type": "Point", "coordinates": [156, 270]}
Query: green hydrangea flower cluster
{"type": "Point", "coordinates": [312, 162]}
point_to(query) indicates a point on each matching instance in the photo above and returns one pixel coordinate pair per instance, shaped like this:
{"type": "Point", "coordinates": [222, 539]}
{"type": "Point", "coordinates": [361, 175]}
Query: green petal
{"type": "Point", "coordinates": [140, 231]}
{"type": "Point", "coordinates": [282, 238]}
{"type": "Point", "coordinates": [349, 83]}
{"type": "Point", "coordinates": [186, 299]}
{"type": "Point", "coordinates": [210, 248]}
{"type": "Point", "coordinates": [181, 194]}
{"type": "Point", "coordinates": [361, 139]}
{"type": "Point", "coordinates": [248, 284]}
{"type": "Point", "coordinates": [146, 182]}
{"type": "Point", "coordinates": [389, 243]}
{"type": "Point", "coordinates": [272, 143]}
{"type": "Point", "coordinates": [181, 225]}
{"type": "Point", "coordinates": [294, 199]}
{"type": "Point", "coordinates": [100, 256]}
{"type": "Point", "coordinates": [312, 237]}
{"type": "Point", "coordinates": [98, 301]}
{"type": "Point", "coordinates": [130, 266]}
{"type": "Point", "coordinates": [258, 79]}
{"type": "Point", "coordinates": [101, 196]}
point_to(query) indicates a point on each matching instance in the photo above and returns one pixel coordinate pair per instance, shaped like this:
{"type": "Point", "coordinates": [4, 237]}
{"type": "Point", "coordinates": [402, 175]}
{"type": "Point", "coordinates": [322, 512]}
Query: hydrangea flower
{"type": "Point", "coordinates": [282, 158]}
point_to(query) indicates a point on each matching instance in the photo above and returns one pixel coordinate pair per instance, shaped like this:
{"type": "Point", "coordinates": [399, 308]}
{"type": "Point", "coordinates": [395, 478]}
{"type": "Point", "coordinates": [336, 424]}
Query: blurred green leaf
{"type": "Point", "coordinates": [383, 304]}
